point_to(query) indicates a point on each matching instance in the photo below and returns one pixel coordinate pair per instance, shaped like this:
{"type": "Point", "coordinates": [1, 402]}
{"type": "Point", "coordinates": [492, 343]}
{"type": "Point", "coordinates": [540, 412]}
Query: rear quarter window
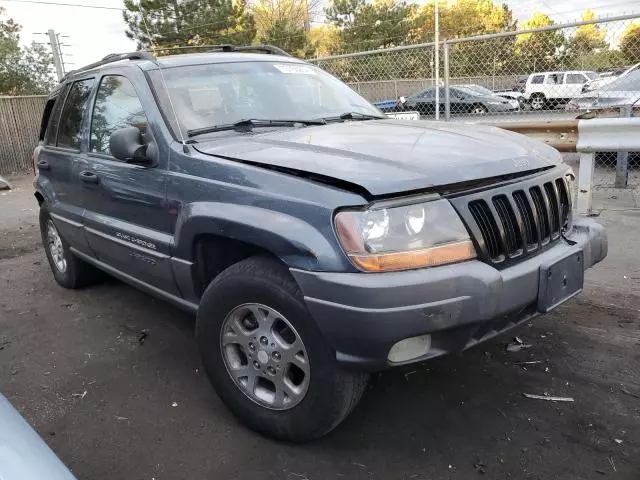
{"type": "Point", "coordinates": [51, 117]}
{"type": "Point", "coordinates": [75, 108]}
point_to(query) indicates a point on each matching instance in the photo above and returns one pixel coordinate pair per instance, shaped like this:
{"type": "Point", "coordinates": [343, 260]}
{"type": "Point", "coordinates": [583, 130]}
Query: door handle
{"type": "Point", "coordinates": [43, 165]}
{"type": "Point", "coordinates": [88, 176]}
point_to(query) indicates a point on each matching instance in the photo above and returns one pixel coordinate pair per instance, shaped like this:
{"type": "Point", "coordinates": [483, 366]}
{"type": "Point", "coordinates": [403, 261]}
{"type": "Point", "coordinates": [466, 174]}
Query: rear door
{"type": "Point", "coordinates": [573, 83]}
{"type": "Point", "coordinates": [127, 223]}
{"type": "Point", "coordinates": [61, 146]}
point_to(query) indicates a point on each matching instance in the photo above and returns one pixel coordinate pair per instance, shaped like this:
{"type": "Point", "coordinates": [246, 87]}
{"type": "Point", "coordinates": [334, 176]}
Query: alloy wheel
{"type": "Point", "coordinates": [55, 247]}
{"type": "Point", "coordinates": [265, 356]}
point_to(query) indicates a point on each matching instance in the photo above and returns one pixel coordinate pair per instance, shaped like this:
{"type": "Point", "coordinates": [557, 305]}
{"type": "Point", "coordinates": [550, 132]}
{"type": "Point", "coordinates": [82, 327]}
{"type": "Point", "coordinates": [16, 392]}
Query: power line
{"type": "Point", "coordinates": [62, 4]}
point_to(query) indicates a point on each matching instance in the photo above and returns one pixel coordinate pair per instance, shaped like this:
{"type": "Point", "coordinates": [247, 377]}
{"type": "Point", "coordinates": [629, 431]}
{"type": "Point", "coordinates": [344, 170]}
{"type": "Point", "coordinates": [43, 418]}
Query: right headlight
{"type": "Point", "coordinates": [405, 237]}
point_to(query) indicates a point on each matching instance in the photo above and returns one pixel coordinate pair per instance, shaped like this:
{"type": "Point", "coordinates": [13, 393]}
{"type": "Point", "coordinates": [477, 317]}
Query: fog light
{"type": "Point", "coordinates": [409, 348]}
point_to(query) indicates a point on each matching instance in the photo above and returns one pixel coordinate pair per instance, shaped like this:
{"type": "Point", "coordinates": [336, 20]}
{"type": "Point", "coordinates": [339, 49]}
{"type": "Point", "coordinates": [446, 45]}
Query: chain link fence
{"type": "Point", "coordinates": [544, 74]}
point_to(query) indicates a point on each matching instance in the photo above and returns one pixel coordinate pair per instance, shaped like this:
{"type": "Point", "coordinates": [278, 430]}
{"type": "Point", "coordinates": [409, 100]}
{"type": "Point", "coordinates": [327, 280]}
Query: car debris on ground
{"type": "Point", "coordinates": [4, 184]}
{"type": "Point", "coordinates": [548, 397]}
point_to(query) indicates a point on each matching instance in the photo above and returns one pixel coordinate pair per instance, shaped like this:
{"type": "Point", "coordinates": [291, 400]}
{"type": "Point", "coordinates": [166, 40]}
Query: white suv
{"type": "Point", "coordinates": [548, 89]}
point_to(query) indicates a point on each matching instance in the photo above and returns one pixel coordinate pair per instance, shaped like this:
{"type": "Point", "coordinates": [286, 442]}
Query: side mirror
{"type": "Point", "coordinates": [126, 144]}
{"type": "Point", "coordinates": [403, 99]}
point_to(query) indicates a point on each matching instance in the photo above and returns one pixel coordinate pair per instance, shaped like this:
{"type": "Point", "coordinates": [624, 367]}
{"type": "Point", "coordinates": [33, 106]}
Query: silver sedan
{"type": "Point", "coordinates": [23, 454]}
{"type": "Point", "coordinates": [624, 91]}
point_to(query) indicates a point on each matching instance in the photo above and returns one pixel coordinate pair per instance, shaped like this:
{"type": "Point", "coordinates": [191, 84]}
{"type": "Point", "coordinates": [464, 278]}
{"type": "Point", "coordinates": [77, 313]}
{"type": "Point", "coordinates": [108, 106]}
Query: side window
{"type": "Point", "coordinates": [117, 106]}
{"type": "Point", "coordinates": [575, 78]}
{"type": "Point", "coordinates": [51, 117]}
{"type": "Point", "coordinates": [73, 113]}
{"type": "Point", "coordinates": [553, 79]}
{"type": "Point", "coordinates": [537, 79]}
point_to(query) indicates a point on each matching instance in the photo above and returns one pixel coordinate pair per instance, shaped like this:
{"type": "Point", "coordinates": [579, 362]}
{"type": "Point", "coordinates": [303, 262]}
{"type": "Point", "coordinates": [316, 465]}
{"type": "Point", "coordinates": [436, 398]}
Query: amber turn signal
{"type": "Point", "coordinates": [427, 257]}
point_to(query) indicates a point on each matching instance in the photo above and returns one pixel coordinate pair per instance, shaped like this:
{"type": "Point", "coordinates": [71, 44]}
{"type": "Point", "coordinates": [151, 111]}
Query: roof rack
{"type": "Point", "coordinates": [270, 49]}
{"type": "Point", "coordinates": [112, 57]}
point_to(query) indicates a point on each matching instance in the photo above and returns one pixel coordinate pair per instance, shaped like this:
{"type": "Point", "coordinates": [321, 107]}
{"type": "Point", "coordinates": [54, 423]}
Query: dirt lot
{"type": "Point", "coordinates": [74, 363]}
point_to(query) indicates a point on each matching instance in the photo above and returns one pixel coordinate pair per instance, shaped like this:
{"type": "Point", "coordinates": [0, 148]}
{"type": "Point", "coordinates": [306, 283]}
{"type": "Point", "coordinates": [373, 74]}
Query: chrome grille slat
{"type": "Point", "coordinates": [542, 213]}
{"type": "Point", "coordinates": [485, 221]}
{"type": "Point", "coordinates": [530, 228]}
{"type": "Point", "coordinates": [507, 218]}
{"type": "Point", "coordinates": [554, 208]}
{"type": "Point", "coordinates": [565, 202]}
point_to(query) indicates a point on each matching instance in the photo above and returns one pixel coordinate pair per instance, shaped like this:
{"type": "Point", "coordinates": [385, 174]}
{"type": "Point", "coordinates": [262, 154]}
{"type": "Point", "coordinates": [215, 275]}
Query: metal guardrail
{"type": "Point", "coordinates": [561, 135]}
{"type": "Point", "coordinates": [588, 136]}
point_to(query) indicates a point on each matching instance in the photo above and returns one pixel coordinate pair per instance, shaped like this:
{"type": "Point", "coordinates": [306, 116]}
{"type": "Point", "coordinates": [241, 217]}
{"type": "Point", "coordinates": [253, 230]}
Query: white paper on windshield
{"type": "Point", "coordinates": [294, 68]}
{"type": "Point", "coordinates": [404, 115]}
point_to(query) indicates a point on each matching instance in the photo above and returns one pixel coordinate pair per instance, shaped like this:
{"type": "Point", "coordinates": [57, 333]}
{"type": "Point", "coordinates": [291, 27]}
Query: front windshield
{"type": "Point", "coordinates": [630, 82]}
{"type": "Point", "coordinates": [469, 91]}
{"type": "Point", "coordinates": [226, 93]}
{"type": "Point", "coordinates": [480, 89]}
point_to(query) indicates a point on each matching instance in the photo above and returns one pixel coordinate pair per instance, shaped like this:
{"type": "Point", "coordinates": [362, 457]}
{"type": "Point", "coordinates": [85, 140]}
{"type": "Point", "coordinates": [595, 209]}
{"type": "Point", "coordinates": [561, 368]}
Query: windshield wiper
{"type": "Point", "coordinates": [249, 123]}
{"type": "Point", "coordinates": [353, 116]}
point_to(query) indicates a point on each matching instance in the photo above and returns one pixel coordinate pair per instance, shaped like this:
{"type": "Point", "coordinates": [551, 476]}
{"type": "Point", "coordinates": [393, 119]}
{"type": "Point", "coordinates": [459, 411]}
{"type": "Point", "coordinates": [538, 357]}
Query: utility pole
{"type": "Point", "coordinates": [437, 61]}
{"type": "Point", "coordinates": [55, 51]}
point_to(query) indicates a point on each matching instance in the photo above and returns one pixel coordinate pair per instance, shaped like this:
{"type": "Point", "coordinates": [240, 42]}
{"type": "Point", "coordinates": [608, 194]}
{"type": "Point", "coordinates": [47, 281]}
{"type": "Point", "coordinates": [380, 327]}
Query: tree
{"type": "Point", "coordinates": [370, 25]}
{"type": "Point", "coordinates": [324, 40]}
{"type": "Point", "coordinates": [630, 43]}
{"type": "Point", "coordinates": [480, 17]}
{"type": "Point", "coordinates": [284, 23]}
{"type": "Point", "coordinates": [23, 71]}
{"type": "Point", "coordinates": [588, 38]}
{"type": "Point", "coordinates": [540, 50]}
{"type": "Point", "coordinates": [162, 24]}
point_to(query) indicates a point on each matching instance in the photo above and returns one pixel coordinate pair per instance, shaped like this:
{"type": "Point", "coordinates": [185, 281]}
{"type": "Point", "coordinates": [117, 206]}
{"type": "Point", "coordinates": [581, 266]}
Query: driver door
{"type": "Point", "coordinates": [126, 222]}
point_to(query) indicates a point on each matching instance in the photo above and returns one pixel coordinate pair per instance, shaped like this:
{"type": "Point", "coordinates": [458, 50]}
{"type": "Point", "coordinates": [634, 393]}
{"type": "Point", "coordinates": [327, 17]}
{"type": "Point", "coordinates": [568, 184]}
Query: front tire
{"type": "Point", "coordinates": [266, 357]}
{"type": "Point", "coordinates": [68, 270]}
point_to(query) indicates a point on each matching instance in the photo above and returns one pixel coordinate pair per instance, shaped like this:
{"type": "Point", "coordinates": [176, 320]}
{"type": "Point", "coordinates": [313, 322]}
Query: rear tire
{"type": "Point", "coordinates": [232, 354]}
{"type": "Point", "coordinates": [68, 270]}
{"type": "Point", "coordinates": [538, 101]}
{"type": "Point", "coordinates": [479, 109]}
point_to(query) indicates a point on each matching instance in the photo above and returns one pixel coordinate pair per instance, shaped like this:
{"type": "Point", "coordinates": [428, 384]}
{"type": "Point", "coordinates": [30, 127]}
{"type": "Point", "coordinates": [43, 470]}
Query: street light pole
{"type": "Point", "coordinates": [55, 52]}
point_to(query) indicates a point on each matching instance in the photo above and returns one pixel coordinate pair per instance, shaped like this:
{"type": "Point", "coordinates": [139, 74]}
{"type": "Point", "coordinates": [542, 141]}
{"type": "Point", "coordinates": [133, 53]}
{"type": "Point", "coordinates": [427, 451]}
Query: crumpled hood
{"type": "Point", "coordinates": [390, 156]}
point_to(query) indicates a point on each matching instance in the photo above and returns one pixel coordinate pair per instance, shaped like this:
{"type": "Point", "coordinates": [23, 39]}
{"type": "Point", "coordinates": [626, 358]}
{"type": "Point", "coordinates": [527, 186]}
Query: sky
{"type": "Point", "coordinates": [93, 33]}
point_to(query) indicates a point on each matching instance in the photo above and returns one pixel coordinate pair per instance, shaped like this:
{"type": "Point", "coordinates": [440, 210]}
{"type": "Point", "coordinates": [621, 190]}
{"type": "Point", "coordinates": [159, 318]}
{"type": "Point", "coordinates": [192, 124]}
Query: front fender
{"type": "Point", "coordinates": [296, 242]}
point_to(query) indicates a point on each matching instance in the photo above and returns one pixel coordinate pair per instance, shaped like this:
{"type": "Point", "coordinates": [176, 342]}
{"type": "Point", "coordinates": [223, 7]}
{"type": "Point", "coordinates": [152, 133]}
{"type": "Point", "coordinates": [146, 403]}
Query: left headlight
{"type": "Point", "coordinates": [404, 237]}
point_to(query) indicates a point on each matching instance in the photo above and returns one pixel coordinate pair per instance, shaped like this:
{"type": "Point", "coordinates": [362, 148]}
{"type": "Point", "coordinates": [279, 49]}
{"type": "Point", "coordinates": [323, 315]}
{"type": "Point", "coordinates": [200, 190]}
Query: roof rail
{"type": "Point", "coordinates": [270, 49]}
{"type": "Point", "coordinates": [112, 57]}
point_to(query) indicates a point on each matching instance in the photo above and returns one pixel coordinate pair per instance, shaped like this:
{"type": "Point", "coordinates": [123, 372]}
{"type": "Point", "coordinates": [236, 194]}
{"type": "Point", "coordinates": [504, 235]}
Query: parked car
{"type": "Point", "coordinates": [23, 454]}
{"type": "Point", "coordinates": [550, 89]}
{"type": "Point", "coordinates": [603, 81]}
{"type": "Point", "coordinates": [520, 83]}
{"type": "Point", "coordinates": [388, 105]}
{"type": "Point", "coordinates": [463, 100]}
{"type": "Point", "coordinates": [315, 239]}
{"type": "Point", "coordinates": [623, 91]}
{"type": "Point", "coordinates": [516, 98]}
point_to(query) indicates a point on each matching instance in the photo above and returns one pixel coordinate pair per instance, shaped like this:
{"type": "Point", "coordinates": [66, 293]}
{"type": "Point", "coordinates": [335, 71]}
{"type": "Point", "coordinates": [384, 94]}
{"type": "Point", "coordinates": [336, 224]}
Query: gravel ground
{"type": "Point", "coordinates": [113, 404]}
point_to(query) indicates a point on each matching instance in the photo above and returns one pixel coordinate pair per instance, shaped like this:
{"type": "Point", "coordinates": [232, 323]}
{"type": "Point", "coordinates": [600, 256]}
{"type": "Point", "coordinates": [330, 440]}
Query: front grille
{"type": "Point", "coordinates": [516, 221]}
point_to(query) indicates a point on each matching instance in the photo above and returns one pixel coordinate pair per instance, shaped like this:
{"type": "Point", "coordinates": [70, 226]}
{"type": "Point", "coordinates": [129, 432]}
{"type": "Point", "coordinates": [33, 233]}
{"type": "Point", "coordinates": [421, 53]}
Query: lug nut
{"type": "Point", "coordinates": [276, 356]}
{"type": "Point", "coordinates": [264, 341]}
{"type": "Point", "coordinates": [256, 365]}
{"type": "Point", "coordinates": [252, 346]}
{"type": "Point", "coordinates": [271, 370]}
